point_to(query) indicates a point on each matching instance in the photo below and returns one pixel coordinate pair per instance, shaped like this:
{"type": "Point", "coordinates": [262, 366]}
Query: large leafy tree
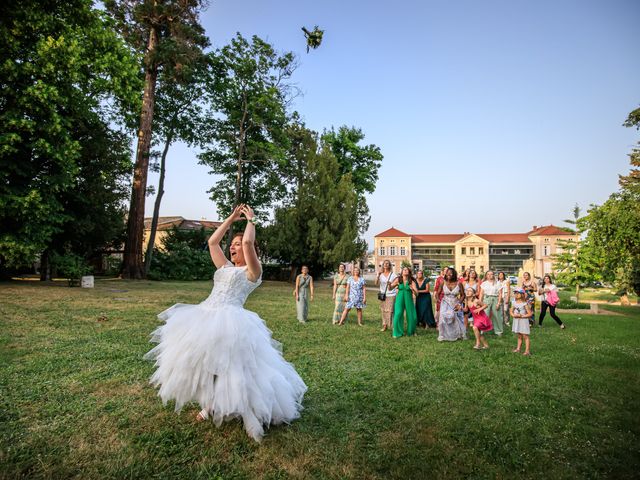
{"type": "Point", "coordinates": [360, 161]}
{"type": "Point", "coordinates": [178, 116]}
{"type": "Point", "coordinates": [613, 228]}
{"type": "Point", "coordinates": [318, 226]}
{"type": "Point", "coordinates": [244, 132]}
{"type": "Point", "coordinates": [169, 36]}
{"type": "Point", "coordinates": [95, 205]}
{"type": "Point", "coordinates": [65, 79]}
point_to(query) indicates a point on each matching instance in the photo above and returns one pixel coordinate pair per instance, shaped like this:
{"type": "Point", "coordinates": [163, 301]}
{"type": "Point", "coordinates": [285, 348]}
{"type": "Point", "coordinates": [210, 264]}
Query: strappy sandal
{"type": "Point", "coordinates": [202, 415]}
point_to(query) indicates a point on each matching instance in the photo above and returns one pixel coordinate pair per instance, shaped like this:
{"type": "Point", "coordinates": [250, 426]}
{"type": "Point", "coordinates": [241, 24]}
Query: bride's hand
{"type": "Point", "coordinates": [247, 211]}
{"type": "Point", "coordinates": [237, 213]}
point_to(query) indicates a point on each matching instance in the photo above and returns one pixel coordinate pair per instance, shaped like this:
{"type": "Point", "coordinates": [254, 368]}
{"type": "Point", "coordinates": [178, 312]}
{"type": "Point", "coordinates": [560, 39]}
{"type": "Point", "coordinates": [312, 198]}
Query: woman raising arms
{"type": "Point", "coordinates": [222, 356]}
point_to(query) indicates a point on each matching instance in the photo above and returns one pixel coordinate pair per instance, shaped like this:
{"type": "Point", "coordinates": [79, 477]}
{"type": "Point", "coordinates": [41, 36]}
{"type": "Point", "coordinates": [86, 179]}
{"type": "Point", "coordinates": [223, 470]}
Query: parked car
{"type": "Point", "coordinates": [513, 280]}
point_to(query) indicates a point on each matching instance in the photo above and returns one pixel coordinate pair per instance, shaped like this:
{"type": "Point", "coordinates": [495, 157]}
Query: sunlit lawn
{"type": "Point", "coordinates": [76, 402]}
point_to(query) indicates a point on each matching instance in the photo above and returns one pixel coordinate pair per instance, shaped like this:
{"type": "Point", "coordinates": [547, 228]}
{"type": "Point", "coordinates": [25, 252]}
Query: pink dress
{"type": "Point", "coordinates": [481, 320]}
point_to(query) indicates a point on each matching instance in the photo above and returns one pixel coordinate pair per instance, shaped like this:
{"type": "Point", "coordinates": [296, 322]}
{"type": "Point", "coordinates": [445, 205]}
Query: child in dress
{"type": "Point", "coordinates": [521, 313]}
{"type": "Point", "coordinates": [481, 322]}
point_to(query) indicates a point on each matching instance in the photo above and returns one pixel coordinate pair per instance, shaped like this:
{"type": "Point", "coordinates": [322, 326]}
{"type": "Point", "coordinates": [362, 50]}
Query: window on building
{"type": "Point", "coordinates": [383, 251]}
{"type": "Point", "coordinates": [481, 268]}
{"type": "Point", "coordinates": [403, 251]}
{"type": "Point", "coordinates": [392, 251]}
{"type": "Point", "coordinates": [546, 240]}
{"type": "Point", "coordinates": [381, 242]}
{"type": "Point", "coordinates": [401, 241]}
{"type": "Point", "coordinates": [463, 250]}
{"type": "Point", "coordinates": [546, 250]}
{"type": "Point", "coordinates": [462, 268]}
{"type": "Point", "coordinates": [392, 241]}
{"type": "Point", "coordinates": [472, 250]}
{"type": "Point", "coordinates": [480, 250]}
{"type": "Point", "coordinates": [517, 251]}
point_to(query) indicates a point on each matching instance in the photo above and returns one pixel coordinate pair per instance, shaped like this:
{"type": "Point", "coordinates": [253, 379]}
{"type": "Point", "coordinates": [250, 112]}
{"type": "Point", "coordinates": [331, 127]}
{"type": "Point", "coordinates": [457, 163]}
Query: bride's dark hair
{"type": "Point", "coordinates": [255, 245]}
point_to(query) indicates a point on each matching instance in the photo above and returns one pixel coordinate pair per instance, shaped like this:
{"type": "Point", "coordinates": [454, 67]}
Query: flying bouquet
{"type": "Point", "coordinates": [314, 38]}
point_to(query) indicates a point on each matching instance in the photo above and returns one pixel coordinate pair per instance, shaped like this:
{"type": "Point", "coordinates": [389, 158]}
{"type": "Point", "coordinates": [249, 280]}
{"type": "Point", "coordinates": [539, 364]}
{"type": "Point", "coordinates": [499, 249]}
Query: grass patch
{"type": "Point", "coordinates": [75, 402]}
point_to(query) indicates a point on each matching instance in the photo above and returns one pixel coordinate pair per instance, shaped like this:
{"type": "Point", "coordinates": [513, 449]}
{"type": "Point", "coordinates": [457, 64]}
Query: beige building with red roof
{"type": "Point", "coordinates": [481, 251]}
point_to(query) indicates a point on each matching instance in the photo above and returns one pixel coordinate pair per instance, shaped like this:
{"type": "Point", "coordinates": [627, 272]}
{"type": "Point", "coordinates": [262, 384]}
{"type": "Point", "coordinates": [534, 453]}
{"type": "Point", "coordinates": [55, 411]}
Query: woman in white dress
{"type": "Point", "coordinates": [222, 356]}
{"type": "Point", "coordinates": [451, 325]}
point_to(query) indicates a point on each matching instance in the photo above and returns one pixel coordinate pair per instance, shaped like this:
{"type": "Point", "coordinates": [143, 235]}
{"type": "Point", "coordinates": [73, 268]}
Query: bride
{"type": "Point", "coordinates": [219, 354]}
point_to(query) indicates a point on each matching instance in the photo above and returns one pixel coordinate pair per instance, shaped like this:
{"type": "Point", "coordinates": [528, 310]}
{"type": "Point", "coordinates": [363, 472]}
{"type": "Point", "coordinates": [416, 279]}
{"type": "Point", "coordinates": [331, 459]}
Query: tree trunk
{"type": "Point", "coordinates": [132, 265]}
{"type": "Point", "coordinates": [156, 206]}
{"type": "Point", "coordinates": [45, 267]}
{"type": "Point", "coordinates": [578, 293]}
{"type": "Point", "coordinates": [293, 273]}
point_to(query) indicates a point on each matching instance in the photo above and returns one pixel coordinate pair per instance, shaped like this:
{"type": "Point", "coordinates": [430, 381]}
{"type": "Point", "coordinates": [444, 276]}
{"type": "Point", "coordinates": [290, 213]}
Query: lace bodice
{"type": "Point", "coordinates": [231, 286]}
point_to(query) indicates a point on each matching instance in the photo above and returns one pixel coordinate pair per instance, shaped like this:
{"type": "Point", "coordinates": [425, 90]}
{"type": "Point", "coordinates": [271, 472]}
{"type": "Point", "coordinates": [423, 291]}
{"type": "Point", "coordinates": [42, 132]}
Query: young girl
{"type": "Point", "coordinates": [520, 314]}
{"type": "Point", "coordinates": [481, 322]}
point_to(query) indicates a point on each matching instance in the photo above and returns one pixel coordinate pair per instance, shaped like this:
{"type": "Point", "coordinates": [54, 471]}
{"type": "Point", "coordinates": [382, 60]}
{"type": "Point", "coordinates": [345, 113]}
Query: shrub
{"type": "Point", "coordinates": [70, 266]}
{"type": "Point", "coordinates": [571, 305]}
{"type": "Point", "coordinates": [185, 257]}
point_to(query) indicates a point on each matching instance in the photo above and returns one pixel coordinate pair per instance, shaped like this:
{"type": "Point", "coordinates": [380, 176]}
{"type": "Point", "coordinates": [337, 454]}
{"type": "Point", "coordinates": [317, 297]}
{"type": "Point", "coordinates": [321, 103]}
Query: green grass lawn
{"type": "Point", "coordinates": [598, 294]}
{"type": "Point", "coordinates": [75, 401]}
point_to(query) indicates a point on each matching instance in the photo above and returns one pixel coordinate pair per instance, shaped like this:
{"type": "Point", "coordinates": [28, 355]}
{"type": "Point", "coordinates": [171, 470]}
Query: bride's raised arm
{"type": "Point", "coordinates": [217, 255]}
{"type": "Point", "coordinates": [254, 268]}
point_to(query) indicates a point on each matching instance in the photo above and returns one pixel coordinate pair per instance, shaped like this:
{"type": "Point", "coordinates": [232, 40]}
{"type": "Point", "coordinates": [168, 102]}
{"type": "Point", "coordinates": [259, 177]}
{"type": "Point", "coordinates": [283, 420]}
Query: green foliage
{"type": "Point", "coordinates": [243, 136]}
{"type": "Point", "coordinates": [613, 228]}
{"type": "Point", "coordinates": [361, 161]}
{"type": "Point", "coordinates": [319, 227]}
{"type": "Point", "coordinates": [613, 238]}
{"type": "Point", "coordinates": [406, 263]}
{"type": "Point", "coordinates": [65, 73]}
{"type": "Point", "coordinates": [69, 265]}
{"type": "Point", "coordinates": [570, 304]}
{"type": "Point", "coordinates": [576, 264]}
{"type": "Point", "coordinates": [184, 256]}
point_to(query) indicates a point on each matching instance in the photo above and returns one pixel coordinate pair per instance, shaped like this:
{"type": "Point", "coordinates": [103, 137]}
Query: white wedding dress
{"type": "Point", "coordinates": [223, 357]}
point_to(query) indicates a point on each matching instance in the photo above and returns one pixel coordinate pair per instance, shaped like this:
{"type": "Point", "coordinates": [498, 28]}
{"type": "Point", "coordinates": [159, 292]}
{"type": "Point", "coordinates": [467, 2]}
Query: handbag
{"type": "Point", "coordinates": [383, 296]}
{"type": "Point", "coordinates": [552, 298]}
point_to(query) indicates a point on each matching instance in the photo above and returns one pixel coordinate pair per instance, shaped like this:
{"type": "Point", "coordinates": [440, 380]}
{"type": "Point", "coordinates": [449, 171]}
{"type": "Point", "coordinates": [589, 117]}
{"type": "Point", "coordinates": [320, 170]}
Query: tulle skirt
{"type": "Point", "coordinates": [223, 358]}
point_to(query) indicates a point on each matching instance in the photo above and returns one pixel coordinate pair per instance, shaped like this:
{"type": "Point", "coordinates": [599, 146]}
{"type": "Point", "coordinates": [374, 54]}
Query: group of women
{"type": "Point", "coordinates": [405, 296]}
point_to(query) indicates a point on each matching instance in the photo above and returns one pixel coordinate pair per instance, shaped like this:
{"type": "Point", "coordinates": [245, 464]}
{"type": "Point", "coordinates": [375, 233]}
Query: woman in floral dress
{"type": "Point", "coordinates": [355, 296]}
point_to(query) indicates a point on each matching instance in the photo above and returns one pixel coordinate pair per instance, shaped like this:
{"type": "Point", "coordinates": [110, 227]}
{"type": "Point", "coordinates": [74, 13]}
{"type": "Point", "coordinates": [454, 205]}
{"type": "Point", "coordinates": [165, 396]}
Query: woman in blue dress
{"type": "Point", "coordinates": [355, 296]}
{"type": "Point", "coordinates": [424, 309]}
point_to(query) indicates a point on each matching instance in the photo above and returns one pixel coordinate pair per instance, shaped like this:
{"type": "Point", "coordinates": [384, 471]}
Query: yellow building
{"type": "Point", "coordinates": [483, 251]}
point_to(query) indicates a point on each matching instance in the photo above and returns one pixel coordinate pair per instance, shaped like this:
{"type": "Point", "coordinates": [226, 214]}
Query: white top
{"type": "Point", "coordinates": [548, 288]}
{"type": "Point", "coordinates": [491, 288]}
{"type": "Point", "coordinates": [384, 279]}
{"type": "Point", "coordinates": [505, 286]}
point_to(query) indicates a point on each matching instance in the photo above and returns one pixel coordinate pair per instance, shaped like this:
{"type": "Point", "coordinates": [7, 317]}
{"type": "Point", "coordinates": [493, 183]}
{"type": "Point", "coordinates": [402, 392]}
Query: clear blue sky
{"type": "Point", "coordinates": [492, 116]}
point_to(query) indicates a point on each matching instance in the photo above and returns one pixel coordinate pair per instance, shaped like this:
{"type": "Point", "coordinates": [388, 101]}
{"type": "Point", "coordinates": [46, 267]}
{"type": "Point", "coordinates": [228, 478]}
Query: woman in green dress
{"type": "Point", "coordinates": [339, 289]}
{"type": "Point", "coordinates": [303, 293]}
{"type": "Point", "coordinates": [424, 310]}
{"type": "Point", "coordinates": [404, 303]}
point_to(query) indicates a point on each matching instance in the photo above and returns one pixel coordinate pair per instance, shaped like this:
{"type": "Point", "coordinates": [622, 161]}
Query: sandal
{"type": "Point", "coordinates": [202, 415]}
{"type": "Point", "coordinates": [528, 354]}
{"type": "Point", "coordinates": [515, 350]}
